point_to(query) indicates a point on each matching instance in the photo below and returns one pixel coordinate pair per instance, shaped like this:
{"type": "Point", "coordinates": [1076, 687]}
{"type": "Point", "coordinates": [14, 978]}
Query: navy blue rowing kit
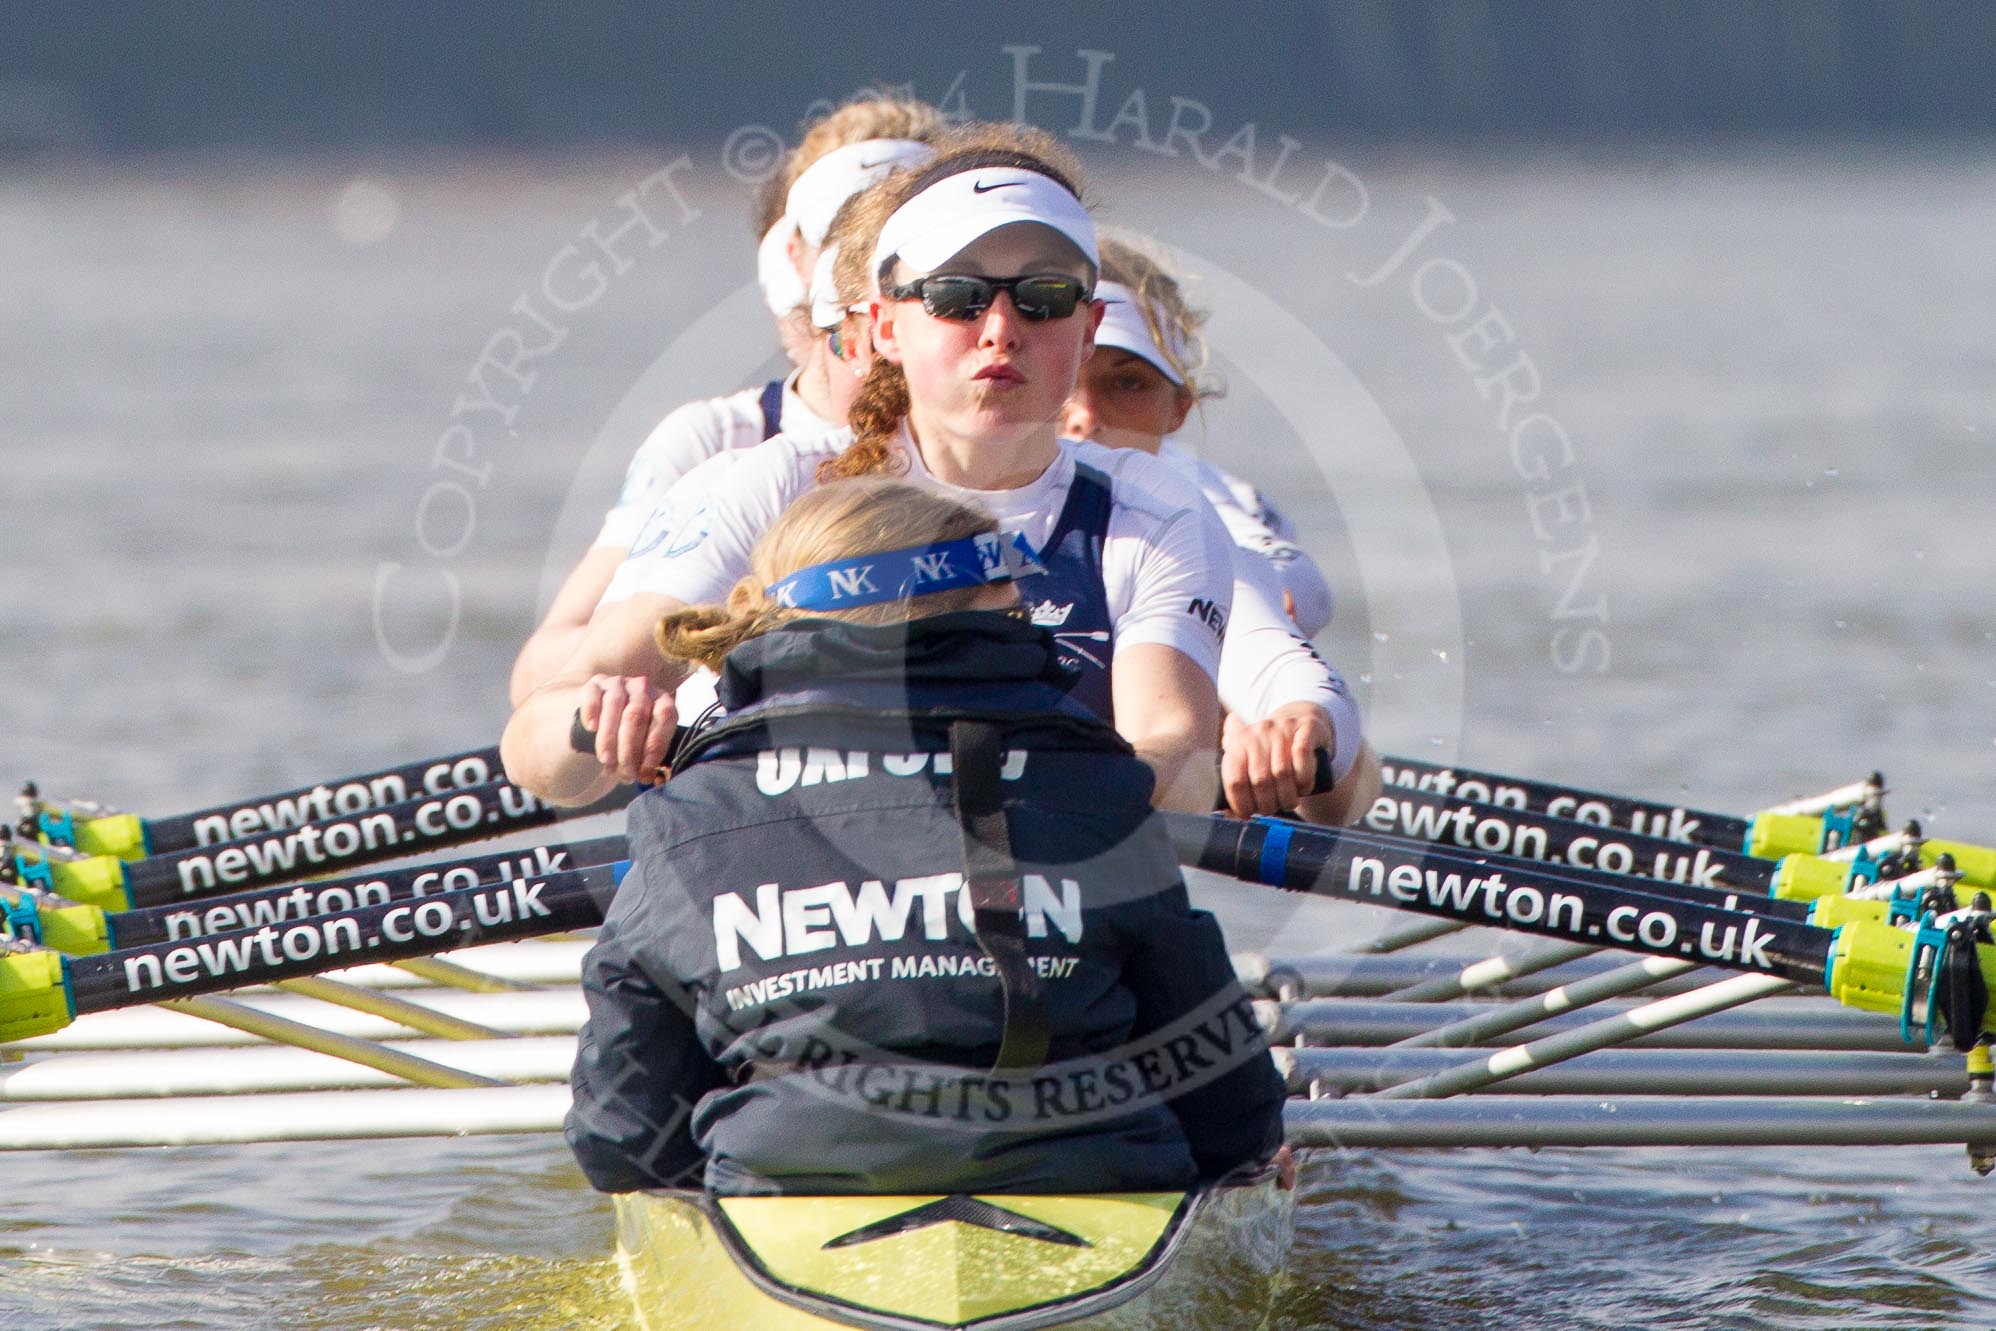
{"type": "Point", "coordinates": [770, 403]}
{"type": "Point", "coordinates": [903, 923]}
{"type": "Point", "coordinates": [1071, 599]}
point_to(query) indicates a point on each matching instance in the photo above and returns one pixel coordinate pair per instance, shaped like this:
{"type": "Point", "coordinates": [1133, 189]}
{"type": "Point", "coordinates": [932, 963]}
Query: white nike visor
{"type": "Point", "coordinates": [824, 186]}
{"type": "Point", "coordinates": [782, 290]}
{"type": "Point", "coordinates": [1125, 328]}
{"type": "Point", "coordinates": [929, 229]}
{"type": "Point", "coordinates": [827, 310]}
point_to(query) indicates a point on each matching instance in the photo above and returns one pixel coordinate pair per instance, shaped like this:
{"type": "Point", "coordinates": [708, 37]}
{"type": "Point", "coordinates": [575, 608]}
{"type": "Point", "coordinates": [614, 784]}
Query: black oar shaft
{"type": "Point", "coordinates": [408, 828]}
{"type": "Point", "coordinates": [1673, 822]}
{"type": "Point", "coordinates": [283, 905]}
{"type": "Point", "coordinates": [323, 800]}
{"type": "Point", "coordinates": [1515, 895]}
{"type": "Point", "coordinates": [1473, 825]}
{"type": "Point", "coordinates": [497, 912]}
{"type": "Point", "coordinates": [1742, 901]}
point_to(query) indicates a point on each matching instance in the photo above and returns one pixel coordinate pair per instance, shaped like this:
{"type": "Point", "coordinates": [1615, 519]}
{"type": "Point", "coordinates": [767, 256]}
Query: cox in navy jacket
{"type": "Point", "coordinates": [788, 990]}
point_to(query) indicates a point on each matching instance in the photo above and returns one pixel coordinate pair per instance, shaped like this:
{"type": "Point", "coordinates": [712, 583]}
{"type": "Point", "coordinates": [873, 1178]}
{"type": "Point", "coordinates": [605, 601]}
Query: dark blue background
{"type": "Point", "coordinates": [345, 74]}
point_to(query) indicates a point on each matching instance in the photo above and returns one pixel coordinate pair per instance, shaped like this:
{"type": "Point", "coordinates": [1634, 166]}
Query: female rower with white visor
{"type": "Point", "coordinates": [1136, 392]}
{"type": "Point", "coordinates": [840, 156]}
{"type": "Point", "coordinates": [985, 260]}
{"type": "Point", "coordinates": [1139, 387]}
{"type": "Point", "coordinates": [1276, 688]}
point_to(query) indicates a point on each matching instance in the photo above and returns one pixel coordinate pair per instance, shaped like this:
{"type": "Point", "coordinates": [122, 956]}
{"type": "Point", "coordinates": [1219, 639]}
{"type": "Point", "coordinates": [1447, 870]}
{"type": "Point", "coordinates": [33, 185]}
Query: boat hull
{"type": "Point", "coordinates": [989, 1262]}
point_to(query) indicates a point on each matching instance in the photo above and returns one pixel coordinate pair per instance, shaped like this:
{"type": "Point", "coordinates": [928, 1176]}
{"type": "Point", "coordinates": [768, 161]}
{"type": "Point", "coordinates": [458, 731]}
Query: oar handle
{"type": "Point", "coordinates": [583, 740]}
{"type": "Point", "coordinates": [1325, 778]}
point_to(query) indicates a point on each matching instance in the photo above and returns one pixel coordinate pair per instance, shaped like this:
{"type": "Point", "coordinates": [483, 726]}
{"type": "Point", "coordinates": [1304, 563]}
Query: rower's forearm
{"type": "Point", "coordinates": [1187, 773]}
{"type": "Point", "coordinates": [539, 756]}
{"type": "Point", "coordinates": [562, 631]}
{"type": "Point", "coordinates": [545, 653]}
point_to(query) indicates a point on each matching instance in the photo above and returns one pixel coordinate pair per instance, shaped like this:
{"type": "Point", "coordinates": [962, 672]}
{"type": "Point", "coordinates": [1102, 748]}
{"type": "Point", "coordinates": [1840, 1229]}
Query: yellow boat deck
{"type": "Point", "coordinates": [993, 1262]}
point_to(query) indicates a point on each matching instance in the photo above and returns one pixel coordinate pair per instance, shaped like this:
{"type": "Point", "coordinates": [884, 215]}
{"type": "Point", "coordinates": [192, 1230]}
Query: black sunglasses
{"type": "Point", "coordinates": [962, 297]}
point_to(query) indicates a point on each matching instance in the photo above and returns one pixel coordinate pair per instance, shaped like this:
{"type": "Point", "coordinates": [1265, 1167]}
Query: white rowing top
{"type": "Point", "coordinates": [1258, 527]}
{"type": "Point", "coordinates": [1164, 551]}
{"type": "Point", "coordinates": [688, 437]}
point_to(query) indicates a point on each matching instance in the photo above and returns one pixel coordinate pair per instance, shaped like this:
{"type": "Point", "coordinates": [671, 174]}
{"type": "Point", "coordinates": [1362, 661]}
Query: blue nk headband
{"type": "Point", "coordinates": [892, 575]}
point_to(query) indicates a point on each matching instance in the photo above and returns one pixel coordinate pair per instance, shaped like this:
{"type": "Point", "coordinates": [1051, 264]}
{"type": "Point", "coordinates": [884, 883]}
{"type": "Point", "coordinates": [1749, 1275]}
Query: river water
{"type": "Point", "coordinates": [296, 451]}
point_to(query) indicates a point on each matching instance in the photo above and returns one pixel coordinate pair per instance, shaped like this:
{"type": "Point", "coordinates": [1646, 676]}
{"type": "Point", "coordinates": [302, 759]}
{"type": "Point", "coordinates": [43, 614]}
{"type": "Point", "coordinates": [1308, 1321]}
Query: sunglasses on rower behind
{"type": "Point", "coordinates": [962, 297]}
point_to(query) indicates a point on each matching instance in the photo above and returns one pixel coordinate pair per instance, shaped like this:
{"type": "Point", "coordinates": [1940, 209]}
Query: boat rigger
{"type": "Point", "coordinates": [1005, 1261]}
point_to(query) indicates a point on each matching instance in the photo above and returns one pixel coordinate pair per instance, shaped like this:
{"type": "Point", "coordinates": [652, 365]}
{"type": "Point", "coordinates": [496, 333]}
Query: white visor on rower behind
{"type": "Point", "coordinates": [782, 290]}
{"type": "Point", "coordinates": [929, 229]}
{"type": "Point", "coordinates": [827, 310]}
{"type": "Point", "coordinates": [1125, 328]}
{"type": "Point", "coordinates": [823, 187]}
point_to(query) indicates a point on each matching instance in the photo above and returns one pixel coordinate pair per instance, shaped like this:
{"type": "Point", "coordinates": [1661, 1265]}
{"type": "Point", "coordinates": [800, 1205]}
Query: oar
{"type": "Point", "coordinates": [1796, 878]}
{"type": "Point", "coordinates": [1513, 835]}
{"type": "Point", "coordinates": [1455, 807]}
{"type": "Point", "coordinates": [82, 929]}
{"type": "Point", "coordinates": [1489, 972]}
{"type": "Point", "coordinates": [42, 991]}
{"type": "Point", "coordinates": [1826, 911]}
{"type": "Point", "coordinates": [1411, 934]}
{"type": "Point", "coordinates": [1583, 993]}
{"type": "Point", "coordinates": [1886, 901]}
{"type": "Point", "coordinates": [1927, 975]}
{"type": "Point", "coordinates": [400, 830]}
{"type": "Point", "coordinates": [1637, 1071]}
{"type": "Point", "coordinates": [141, 1075]}
{"type": "Point", "coordinates": [89, 827]}
{"type": "Point", "coordinates": [364, 1053]}
{"type": "Point", "coordinates": [1475, 825]}
{"type": "Point", "coordinates": [1324, 1022]}
{"type": "Point", "coordinates": [1847, 813]}
{"type": "Point", "coordinates": [1731, 992]}
{"type": "Point", "coordinates": [1796, 875]}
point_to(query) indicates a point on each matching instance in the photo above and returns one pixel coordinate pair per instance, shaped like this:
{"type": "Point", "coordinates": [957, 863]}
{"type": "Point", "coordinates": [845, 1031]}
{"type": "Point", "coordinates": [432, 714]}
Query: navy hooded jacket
{"type": "Point", "coordinates": [788, 989]}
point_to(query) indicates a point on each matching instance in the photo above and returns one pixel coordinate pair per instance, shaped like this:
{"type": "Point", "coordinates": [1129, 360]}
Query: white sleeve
{"type": "Point", "coordinates": [1255, 504]}
{"type": "Point", "coordinates": [687, 437]}
{"type": "Point", "coordinates": [696, 545]}
{"type": "Point", "coordinates": [1267, 663]}
{"type": "Point", "coordinates": [1177, 583]}
{"type": "Point", "coordinates": [1256, 527]}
